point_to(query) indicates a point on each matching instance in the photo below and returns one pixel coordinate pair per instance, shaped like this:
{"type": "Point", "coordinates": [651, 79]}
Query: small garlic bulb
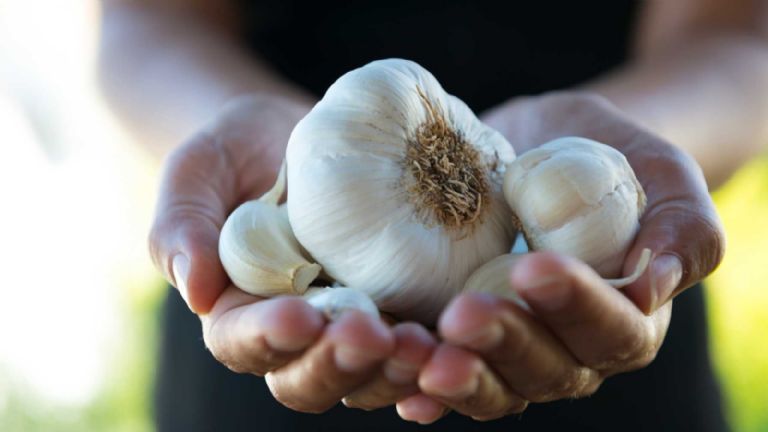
{"type": "Point", "coordinates": [395, 187]}
{"type": "Point", "coordinates": [258, 250]}
{"type": "Point", "coordinates": [577, 197]}
{"type": "Point", "coordinates": [332, 302]}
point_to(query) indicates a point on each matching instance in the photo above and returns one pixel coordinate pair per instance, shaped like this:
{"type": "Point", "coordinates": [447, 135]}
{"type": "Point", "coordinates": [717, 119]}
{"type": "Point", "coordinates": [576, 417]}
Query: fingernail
{"type": "Point", "coordinates": [350, 359]}
{"type": "Point", "coordinates": [180, 267]}
{"type": "Point", "coordinates": [487, 337]}
{"type": "Point", "coordinates": [666, 274]}
{"type": "Point", "coordinates": [549, 293]}
{"type": "Point", "coordinates": [400, 372]}
{"type": "Point", "coordinates": [465, 390]}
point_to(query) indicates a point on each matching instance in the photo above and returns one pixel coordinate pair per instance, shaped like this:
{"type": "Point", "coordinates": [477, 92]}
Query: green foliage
{"type": "Point", "coordinates": [738, 297]}
{"type": "Point", "coordinates": [122, 405]}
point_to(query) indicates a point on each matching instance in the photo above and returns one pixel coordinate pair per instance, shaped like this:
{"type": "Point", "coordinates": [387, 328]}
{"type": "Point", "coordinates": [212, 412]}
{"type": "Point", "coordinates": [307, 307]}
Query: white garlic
{"type": "Point", "coordinates": [258, 250]}
{"type": "Point", "coordinates": [395, 186]}
{"type": "Point", "coordinates": [332, 302]}
{"type": "Point", "coordinates": [494, 276]}
{"type": "Point", "coordinates": [577, 197]}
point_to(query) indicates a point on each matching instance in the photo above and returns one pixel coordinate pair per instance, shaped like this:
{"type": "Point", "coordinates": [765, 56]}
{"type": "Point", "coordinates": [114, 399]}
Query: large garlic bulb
{"type": "Point", "coordinates": [577, 197]}
{"type": "Point", "coordinates": [395, 188]}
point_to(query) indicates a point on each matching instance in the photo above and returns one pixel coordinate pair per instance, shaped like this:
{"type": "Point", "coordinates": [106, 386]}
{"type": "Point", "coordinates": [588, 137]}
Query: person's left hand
{"type": "Point", "coordinates": [496, 357]}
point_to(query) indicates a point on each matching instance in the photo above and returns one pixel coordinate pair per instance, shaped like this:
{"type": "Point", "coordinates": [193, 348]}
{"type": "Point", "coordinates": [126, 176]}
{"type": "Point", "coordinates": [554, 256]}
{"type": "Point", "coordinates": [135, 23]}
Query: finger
{"type": "Point", "coordinates": [262, 336]}
{"type": "Point", "coordinates": [525, 355]}
{"type": "Point", "coordinates": [421, 409]}
{"type": "Point", "coordinates": [461, 380]}
{"type": "Point", "coordinates": [346, 357]}
{"type": "Point", "coordinates": [204, 179]}
{"type": "Point", "coordinates": [680, 226]}
{"type": "Point", "coordinates": [597, 323]}
{"type": "Point", "coordinates": [197, 190]}
{"type": "Point", "coordinates": [397, 377]}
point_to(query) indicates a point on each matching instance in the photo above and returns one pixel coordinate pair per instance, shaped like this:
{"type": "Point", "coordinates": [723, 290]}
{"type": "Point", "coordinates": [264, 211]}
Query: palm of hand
{"type": "Point", "coordinates": [494, 357]}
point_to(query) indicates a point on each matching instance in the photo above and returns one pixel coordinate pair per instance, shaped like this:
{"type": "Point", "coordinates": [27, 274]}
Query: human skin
{"type": "Point", "coordinates": [652, 109]}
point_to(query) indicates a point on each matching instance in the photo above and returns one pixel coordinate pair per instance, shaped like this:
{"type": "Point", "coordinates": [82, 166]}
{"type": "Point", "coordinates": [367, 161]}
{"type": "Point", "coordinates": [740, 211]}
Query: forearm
{"type": "Point", "coordinates": [709, 97]}
{"type": "Point", "coordinates": [166, 72]}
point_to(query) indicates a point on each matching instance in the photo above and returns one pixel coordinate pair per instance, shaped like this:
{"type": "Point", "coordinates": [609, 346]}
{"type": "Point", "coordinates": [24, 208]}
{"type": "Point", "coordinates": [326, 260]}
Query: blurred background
{"type": "Point", "coordinates": [79, 296]}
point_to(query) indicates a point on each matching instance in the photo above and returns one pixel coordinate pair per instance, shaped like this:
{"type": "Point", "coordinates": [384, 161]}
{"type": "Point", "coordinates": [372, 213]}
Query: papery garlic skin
{"type": "Point", "coordinates": [332, 302]}
{"type": "Point", "coordinates": [259, 251]}
{"type": "Point", "coordinates": [357, 200]}
{"type": "Point", "coordinates": [578, 197]}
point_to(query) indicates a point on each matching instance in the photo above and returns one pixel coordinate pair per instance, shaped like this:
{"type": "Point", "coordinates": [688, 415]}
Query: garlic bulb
{"type": "Point", "coordinates": [332, 302]}
{"type": "Point", "coordinates": [577, 197]}
{"type": "Point", "coordinates": [258, 250]}
{"type": "Point", "coordinates": [395, 188]}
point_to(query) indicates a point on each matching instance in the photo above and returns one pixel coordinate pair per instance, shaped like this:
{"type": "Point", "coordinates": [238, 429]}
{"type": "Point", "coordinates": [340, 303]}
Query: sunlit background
{"type": "Point", "coordinates": [78, 296]}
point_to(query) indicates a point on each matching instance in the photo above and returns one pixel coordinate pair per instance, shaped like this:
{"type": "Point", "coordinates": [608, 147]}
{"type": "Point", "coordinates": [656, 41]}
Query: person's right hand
{"type": "Point", "coordinates": [309, 366]}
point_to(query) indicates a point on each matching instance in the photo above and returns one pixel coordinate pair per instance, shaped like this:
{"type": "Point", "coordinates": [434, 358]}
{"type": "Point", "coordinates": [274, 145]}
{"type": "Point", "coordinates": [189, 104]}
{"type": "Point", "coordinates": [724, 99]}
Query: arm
{"type": "Point", "coordinates": [698, 83]}
{"type": "Point", "coordinates": [699, 79]}
{"type": "Point", "coordinates": [168, 66]}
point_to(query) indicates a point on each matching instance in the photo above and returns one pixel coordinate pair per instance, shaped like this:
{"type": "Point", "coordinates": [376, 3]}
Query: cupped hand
{"type": "Point", "coordinates": [495, 357]}
{"type": "Point", "coordinates": [309, 365]}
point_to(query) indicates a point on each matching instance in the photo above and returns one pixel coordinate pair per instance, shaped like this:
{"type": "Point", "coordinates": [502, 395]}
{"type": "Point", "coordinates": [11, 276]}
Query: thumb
{"type": "Point", "coordinates": [197, 190]}
{"type": "Point", "coordinates": [682, 229]}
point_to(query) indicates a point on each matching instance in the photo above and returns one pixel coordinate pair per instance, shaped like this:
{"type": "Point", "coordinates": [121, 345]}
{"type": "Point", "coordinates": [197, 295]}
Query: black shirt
{"type": "Point", "coordinates": [484, 52]}
{"type": "Point", "coordinates": [481, 51]}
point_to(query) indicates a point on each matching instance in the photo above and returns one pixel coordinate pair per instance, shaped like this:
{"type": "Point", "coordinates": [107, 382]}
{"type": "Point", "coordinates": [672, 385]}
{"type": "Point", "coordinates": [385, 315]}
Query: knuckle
{"type": "Point", "coordinates": [710, 253]}
{"type": "Point", "coordinates": [517, 407]}
{"type": "Point", "coordinates": [568, 385]}
{"type": "Point", "coordinates": [238, 353]}
{"type": "Point", "coordinates": [221, 350]}
{"type": "Point", "coordinates": [589, 388]}
{"type": "Point", "coordinates": [292, 399]}
{"type": "Point", "coordinates": [635, 350]}
{"type": "Point", "coordinates": [574, 381]}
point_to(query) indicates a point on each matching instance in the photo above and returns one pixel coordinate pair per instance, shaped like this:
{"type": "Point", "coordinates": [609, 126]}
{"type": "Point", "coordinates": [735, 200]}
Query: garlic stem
{"type": "Point", "coordinates": [640, 267]}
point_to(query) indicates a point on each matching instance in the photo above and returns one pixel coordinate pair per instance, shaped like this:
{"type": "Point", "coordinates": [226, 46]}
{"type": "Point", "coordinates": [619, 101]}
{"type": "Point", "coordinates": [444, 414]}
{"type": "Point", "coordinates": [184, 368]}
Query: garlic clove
{"type": "Point", "coordinates": [259, 251]}
{"type": "Point", "coordinates": [577, 197]}
{"type": "Point", "coordinates": [640, 267]}
{"type": "Point", "coordinates": [333, 302]}
{"type": "Point", "coordinates": [493, 277]}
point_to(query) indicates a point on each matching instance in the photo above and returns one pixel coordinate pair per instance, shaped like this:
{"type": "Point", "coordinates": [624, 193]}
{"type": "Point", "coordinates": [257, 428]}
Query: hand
{"type": "Point", "coordinates": [309, 366]}
{"type": "Point", "coordinates": [496, 357]}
